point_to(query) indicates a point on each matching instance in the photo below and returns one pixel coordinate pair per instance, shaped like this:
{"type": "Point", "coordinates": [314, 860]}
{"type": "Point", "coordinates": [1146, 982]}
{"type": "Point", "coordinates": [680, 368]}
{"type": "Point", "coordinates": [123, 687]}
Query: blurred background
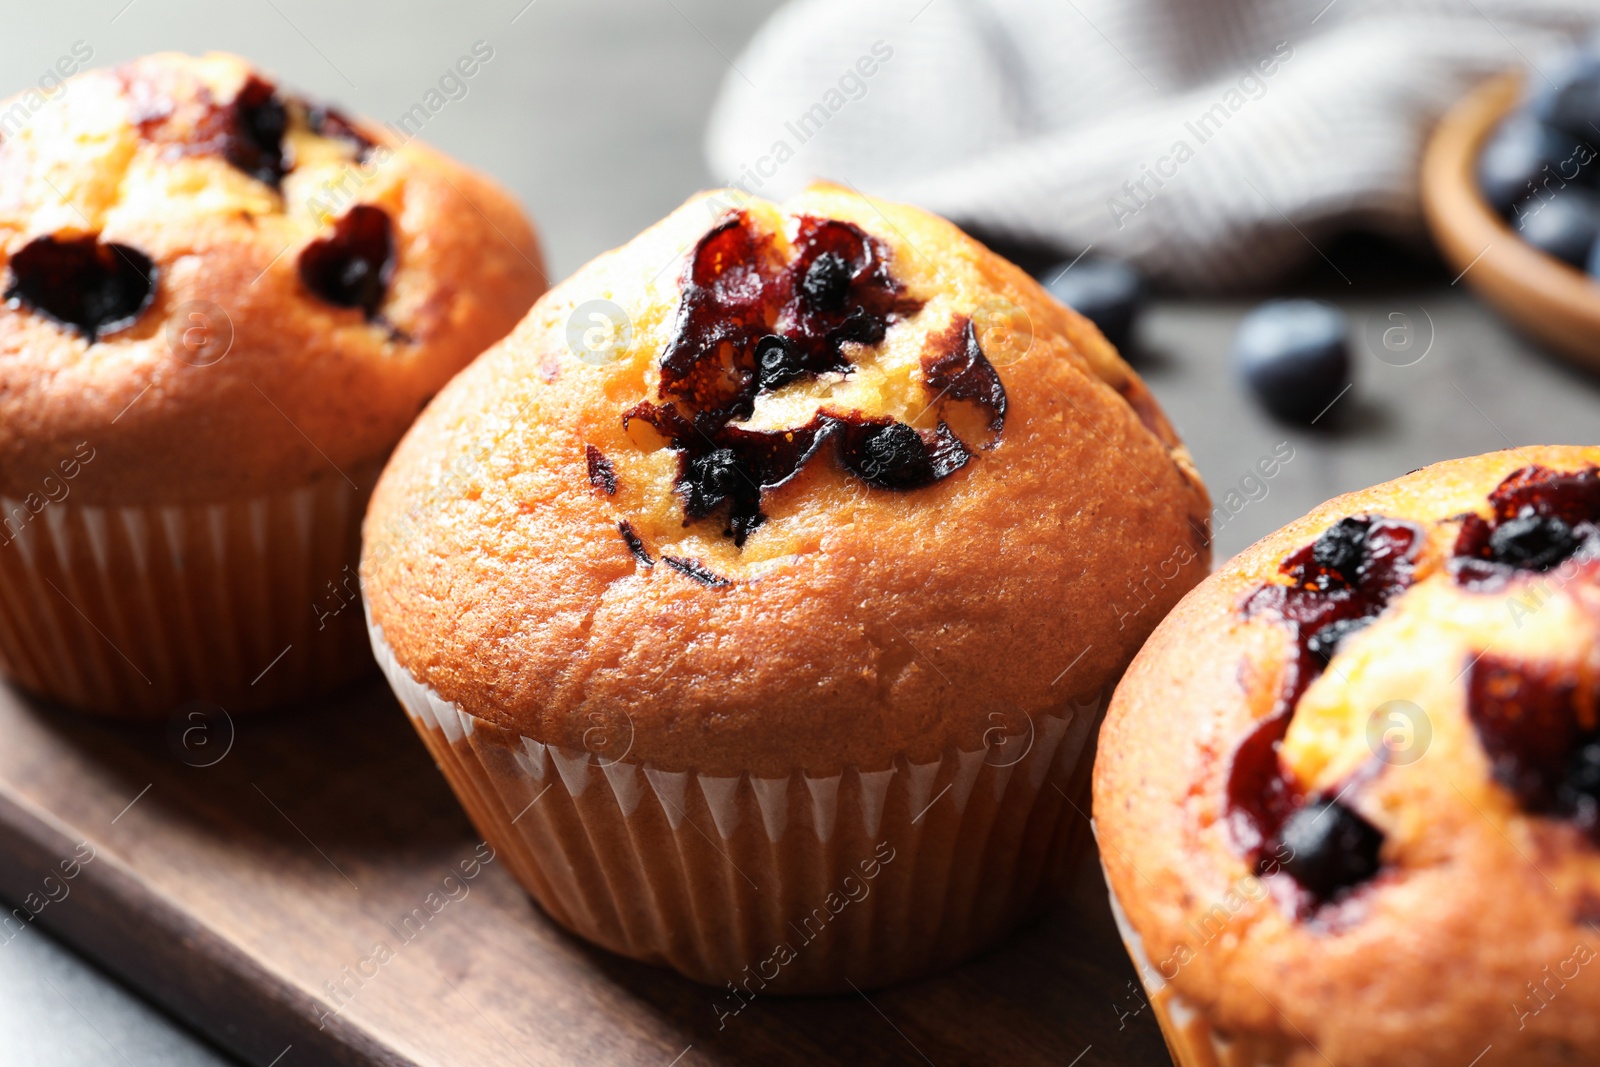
{"type": "Point", "coordinates": [1050, 129]}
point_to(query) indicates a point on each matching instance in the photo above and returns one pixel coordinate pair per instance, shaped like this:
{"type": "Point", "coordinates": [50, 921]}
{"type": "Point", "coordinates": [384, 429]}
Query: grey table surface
{"type": "Point", "coordinates": [592, 113]}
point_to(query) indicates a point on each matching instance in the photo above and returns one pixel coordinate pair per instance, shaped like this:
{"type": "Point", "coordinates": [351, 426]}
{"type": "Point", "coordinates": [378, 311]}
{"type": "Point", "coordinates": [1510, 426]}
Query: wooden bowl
{"type": "Point", "coordinates": [1543, 296]}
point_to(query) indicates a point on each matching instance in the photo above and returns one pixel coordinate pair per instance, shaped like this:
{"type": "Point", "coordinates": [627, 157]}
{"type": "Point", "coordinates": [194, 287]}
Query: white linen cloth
{"type": "Point", "coordinates": [1213, 143]}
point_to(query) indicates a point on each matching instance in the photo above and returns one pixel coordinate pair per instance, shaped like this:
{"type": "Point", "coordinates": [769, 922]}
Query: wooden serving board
{"type": "Point", "coordinates": [250, 897]}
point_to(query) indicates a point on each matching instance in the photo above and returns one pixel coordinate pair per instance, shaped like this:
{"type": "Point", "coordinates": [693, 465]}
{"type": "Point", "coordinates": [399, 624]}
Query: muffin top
{"type": "Point", "coordinates": [779, 486]}
{"type": "Point", "coordinates": [222, 289]}
{"type": "Point", "coordinates": [1348, 794]}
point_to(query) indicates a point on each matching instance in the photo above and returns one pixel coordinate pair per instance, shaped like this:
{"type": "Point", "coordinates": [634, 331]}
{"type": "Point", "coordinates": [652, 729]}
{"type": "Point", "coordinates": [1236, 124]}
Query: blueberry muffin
{"type": "Point", "coordinates": [757, 595]}
{"type": "Point", "coordinates": [1348, 794]}
{"type": "Point", "coordinates": [224, 305]}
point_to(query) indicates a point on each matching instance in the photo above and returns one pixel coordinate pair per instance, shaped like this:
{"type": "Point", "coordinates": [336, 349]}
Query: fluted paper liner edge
{"type": "Point", "coordinates": [131, 610]}
{"type": "Point", "coordinates": [1190, 1037]}
{"type": "Point", "coordinates": [794, 884]}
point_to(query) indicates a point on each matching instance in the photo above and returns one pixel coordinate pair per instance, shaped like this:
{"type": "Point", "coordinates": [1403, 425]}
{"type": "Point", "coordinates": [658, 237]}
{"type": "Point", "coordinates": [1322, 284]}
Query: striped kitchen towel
{"type": "Point", "coordinates": [1214, 143]}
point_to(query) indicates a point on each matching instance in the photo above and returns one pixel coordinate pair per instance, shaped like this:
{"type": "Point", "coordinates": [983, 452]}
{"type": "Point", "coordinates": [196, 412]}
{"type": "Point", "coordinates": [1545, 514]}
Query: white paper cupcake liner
{"type": "Point", "coordinates": [792, 884]}
{"type": "Point", "coordinates": [1190, 1038]}
{"type": "Point", "coordinates": [134, 610]}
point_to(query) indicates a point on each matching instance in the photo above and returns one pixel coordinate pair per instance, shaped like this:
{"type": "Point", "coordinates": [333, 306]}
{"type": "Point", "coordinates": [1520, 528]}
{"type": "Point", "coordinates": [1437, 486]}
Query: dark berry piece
{"type": "Point", "coordinates": [1338, 584]}
{"type": "Point", "coordinates": [693, 568]}
{"type": "Point", "coordinates": [1563, 225]}
{"type": "Point", "coordinates": [1260, 796]}
{"type": "Point", "coordinates": [1294, 355]}
{"type": "Point", "coordinates": [1541, 518]}
{"type": "Point", "coordinates": [1532, 542]}
{"type": "Point", "coordinates": [735, 294]}
{"type": "Point", "coordinates": [1534, 723]}
{"type": "Point", "coordinates": [1331, 849]}
{"type": "Point", "coordinates": [1527, 722]}
{"type": "Point", "coordinates": [353, 266]}
{"type": "Point", "coordinates": [327, 121]}
{"type": "Point", "coordinates": [602, 475]}
{"type": "Point", "coordinates": [1342, 549]}
{"type": "Point", "coordinates": [778, 362]}
{"type": "Point", "coordinates": [79, 282]}
{"type": "Point", "coordinates": [1572, 496]}
{"type": "Point", "coordinates": [1325, 642]}
{"type": "Point", "coordinates": [827, 282]}
{"type": "Point", "coordinates": [860, 326]}
{"type": "Point", "coordinates": [748, 324]}
{"type": "Point", "coordinates": [259, 121]}
{"type": "Point", "coordinates": [710, 479]}
{"type": "Point", "coordinates": [635, 545]}
{"type": "Point", "coordinates": [891, 454]}
{"type": "Point", "coordinates": [956, 368]}
{"type": "Point", "coordinates": [1108, 293]}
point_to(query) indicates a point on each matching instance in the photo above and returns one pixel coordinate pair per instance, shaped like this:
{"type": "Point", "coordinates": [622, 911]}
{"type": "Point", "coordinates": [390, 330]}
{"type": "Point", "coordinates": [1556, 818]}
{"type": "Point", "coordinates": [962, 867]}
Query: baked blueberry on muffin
{"type": "Point", "coordinates": [224, 305]}
{"type": "Point", "coordinates": [758, 593]}
{"type": "Point", "coordinates": [1348, 794]}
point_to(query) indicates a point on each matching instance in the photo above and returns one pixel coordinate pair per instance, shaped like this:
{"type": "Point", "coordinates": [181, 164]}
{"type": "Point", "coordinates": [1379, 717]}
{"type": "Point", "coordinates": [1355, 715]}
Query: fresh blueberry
{"type": "Point", "coordinates": [778, 361]}
{"type": "Point", "coordinates": [1331, 849]}
{"type": "Point", "coordinates": [1563, 225]}
{"type": "Point", "coordinates": [1295, 356]}
{"type": "Point", "coordinates": [1525, 155]}
{"type": "Point", "coordinates": [1107, 293]}
{"type": "Point", "coordinates": [709, 480]}
{"type": "Point", "coordinates": [1570, 101]}
{"type": "Point", "coordinates": [1342, 549]}
{"type": "Point", "coordinates": [1533, 542]}
{"type": "Point", "coordinates": [827, 282]}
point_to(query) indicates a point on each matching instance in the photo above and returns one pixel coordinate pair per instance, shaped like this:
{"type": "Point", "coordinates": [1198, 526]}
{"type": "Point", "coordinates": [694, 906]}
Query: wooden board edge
{"type": "Point", "coordinates": [114, 917]}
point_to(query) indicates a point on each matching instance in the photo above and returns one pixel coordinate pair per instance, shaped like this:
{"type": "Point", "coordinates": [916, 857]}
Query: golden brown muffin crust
{"type": "Point", "coordinates": [855, 621]}
{"type": "Point", "coordinates": [138, 156]}
{"type": "Point", "coordinates": [1477, 903]}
